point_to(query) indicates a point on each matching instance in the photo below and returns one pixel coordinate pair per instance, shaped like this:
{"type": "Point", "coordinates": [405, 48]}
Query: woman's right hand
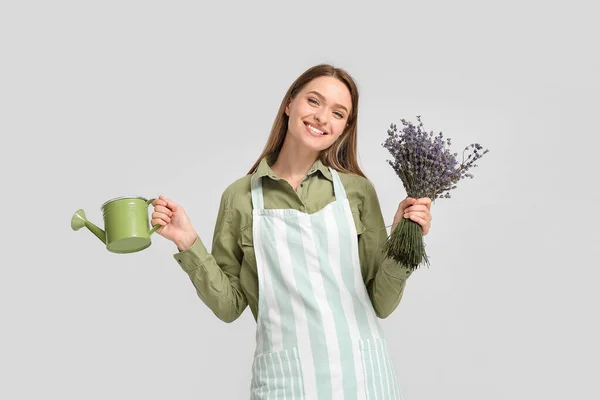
{"type": "Point", "coordinates": [176, 225]}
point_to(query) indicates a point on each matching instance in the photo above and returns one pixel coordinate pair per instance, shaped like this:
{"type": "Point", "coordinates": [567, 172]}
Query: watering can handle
{"type": "Point", "coordinates": [157, 226]}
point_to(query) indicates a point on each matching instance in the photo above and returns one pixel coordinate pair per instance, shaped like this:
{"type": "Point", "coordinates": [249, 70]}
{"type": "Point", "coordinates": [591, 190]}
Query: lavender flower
{"type": "Point", "coordinates": [427, 169]}
{"type": "Point", "coordinates": [425, 166]}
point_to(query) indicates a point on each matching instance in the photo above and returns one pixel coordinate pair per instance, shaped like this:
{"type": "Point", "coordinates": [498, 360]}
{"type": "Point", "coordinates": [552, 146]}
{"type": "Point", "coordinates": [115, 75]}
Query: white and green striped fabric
{"type": "Point", "coordinates": [317, 334]}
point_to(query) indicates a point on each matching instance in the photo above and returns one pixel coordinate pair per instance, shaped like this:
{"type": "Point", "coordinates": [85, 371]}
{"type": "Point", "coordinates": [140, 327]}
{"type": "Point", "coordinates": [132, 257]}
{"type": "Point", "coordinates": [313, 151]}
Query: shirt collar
{"type": "Point", "coordinates": [264, 168]}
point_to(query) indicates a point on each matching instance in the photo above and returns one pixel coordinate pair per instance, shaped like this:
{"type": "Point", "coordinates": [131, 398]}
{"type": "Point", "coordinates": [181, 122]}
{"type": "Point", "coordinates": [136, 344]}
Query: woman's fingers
{"type": "Point", "coordinates": [164, 202]}
{"type": "Point", "coordinates": [171, 205]}
{"type": "Point", "coordinates": [167, 212]}
{"type": "Point", "coordinates": [160, 218]}
{"type": "Point", "coordinates": [410, 204]}
{"type": "Point", "coordinates": [424, 215]}
{"type": "Point", "coordinates": [404, 204]}
{"type": "Point", "coordinates": [157, 221]}
{"type": "Point", "coordinates": [416, 207]}
{"type": "Point", "coordinates": [420, 214]}
{"type": "Point", "coordinates": [424, 200]}
{"type": "Point", "coordinates": [163, 210]}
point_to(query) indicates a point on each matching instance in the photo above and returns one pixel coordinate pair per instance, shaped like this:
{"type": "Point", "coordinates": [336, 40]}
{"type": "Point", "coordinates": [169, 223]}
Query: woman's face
{"type": "Point", "coordinates": [319, 113]}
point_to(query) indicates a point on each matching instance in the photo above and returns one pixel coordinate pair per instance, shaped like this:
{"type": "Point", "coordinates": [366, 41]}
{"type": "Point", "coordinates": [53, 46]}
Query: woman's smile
{"type": "Point", "coordinates": [314, 131]}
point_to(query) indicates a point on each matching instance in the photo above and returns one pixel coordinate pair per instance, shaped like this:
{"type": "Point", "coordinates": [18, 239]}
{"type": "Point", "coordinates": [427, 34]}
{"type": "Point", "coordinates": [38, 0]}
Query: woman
{"type": "Point", "coordinates": [299, 240]}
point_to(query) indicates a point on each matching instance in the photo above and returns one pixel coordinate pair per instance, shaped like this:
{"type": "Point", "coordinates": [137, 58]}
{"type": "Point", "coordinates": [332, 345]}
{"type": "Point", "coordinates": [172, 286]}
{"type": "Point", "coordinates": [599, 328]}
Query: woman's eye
{"type": "Point", "coordinates": [313, 101]}
{"type": "Point", "coordinates": [339, 114]}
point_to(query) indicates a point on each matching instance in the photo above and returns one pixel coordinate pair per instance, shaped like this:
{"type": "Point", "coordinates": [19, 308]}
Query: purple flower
{"type": "Point", "coordinates": [424, 163]}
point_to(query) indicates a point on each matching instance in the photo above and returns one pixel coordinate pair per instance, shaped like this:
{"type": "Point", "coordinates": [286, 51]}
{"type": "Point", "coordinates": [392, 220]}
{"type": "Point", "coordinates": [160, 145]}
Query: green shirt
{"type": "Point", "coordinates": [226, 278]}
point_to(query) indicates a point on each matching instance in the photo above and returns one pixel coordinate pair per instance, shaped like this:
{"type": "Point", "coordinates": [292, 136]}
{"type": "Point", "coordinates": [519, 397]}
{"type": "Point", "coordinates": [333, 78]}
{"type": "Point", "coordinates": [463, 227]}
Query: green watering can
{"type": "Point", "coordinates": [126, 225]}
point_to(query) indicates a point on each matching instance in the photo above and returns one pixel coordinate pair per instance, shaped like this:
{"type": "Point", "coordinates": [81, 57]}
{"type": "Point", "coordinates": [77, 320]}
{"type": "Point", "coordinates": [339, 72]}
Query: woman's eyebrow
{"type": "Point", "coordinates": [323, 98]}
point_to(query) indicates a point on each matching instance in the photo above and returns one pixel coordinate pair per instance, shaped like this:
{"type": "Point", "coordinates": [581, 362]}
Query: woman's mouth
{"type": "Point", "coordinates": [314, 131]}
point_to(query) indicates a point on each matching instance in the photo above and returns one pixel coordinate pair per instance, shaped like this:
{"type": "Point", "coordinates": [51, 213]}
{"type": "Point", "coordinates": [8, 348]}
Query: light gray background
{"type": "Point", "coordinates": [104, 99]}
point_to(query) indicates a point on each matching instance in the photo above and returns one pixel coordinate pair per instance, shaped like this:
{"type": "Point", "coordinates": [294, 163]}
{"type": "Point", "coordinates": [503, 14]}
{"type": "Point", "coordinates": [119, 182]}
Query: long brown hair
{"type": "Point", "coordinates": [341, 155]}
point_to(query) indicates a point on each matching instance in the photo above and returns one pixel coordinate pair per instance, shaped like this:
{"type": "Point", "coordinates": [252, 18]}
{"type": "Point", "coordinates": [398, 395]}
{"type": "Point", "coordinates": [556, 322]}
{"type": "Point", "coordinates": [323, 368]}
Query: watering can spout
{"type": "Point", "coordinates": [79, 220]}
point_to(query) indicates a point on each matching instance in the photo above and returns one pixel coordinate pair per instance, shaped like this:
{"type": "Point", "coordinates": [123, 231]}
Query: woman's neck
{"type": "Point", "coordinates": [293, 163]}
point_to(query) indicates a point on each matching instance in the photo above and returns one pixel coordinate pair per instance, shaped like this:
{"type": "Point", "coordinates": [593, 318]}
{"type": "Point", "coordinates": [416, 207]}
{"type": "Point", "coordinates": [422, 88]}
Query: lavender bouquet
{"type": "Point", "coordinates": [427, 169]}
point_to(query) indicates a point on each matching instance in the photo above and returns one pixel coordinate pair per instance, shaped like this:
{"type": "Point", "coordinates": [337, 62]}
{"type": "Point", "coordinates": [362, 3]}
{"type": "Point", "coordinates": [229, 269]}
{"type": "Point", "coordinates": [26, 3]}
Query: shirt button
{"type": "Point", "coordinates": [302, 185]}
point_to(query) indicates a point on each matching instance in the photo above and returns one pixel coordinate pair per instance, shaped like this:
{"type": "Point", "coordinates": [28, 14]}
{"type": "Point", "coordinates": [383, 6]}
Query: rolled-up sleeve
{"type": "Point", "coordinates": [215, 274]}
{"type": "Point", "coordinates": [385, 279]}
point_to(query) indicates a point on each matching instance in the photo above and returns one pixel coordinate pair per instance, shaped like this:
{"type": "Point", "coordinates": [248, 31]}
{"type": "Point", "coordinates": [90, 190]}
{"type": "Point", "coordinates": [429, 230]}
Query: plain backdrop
{"type": "Point", "coordinates": [113, 98]}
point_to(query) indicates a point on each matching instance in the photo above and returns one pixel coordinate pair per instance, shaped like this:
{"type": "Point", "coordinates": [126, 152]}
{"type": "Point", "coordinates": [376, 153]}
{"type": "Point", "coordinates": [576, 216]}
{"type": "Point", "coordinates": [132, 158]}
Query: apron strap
{"type": "Point", "coordinates": [338, 188]}
{"type": "Point", "coordinates": [257, 192]}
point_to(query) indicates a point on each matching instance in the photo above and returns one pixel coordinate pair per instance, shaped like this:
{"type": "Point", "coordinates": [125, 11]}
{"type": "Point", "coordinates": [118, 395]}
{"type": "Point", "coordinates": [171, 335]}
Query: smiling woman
{"type": "Point", "coordinates": [325, 98]}
{"type": "Point", "coordinates": [317, 117]}
{"type": "Point", "coordinates": [298, 239]}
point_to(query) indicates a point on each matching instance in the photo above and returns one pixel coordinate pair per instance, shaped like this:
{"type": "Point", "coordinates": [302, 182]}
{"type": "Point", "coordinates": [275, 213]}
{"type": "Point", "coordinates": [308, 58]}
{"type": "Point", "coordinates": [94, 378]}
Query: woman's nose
{"type": "Point", "coordinates": [320, 117]}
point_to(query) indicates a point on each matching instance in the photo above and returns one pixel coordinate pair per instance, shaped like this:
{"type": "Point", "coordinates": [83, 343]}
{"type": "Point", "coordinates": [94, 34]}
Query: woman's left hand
{"type": "Point", "coordinates": [417, 210]}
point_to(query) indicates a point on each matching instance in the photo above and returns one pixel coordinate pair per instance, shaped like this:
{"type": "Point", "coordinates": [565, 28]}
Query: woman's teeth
{"type": "Point", "coordinates": [315, 130]}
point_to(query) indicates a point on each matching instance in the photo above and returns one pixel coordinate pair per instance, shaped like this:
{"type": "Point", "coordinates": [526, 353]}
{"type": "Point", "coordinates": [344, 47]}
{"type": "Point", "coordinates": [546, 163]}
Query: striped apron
{"type": "Point", "coordinates": [317, 334]}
